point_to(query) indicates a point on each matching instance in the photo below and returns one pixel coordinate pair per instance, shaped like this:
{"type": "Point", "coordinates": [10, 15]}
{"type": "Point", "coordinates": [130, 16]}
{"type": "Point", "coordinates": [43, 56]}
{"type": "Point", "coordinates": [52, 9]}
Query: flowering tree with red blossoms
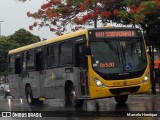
{"type": "Point", "coordinates": [58, 14]}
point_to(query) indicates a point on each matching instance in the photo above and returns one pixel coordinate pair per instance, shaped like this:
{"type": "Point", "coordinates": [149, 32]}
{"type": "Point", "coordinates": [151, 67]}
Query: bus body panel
{"type": "Point", "coordinates": [54, 83]}
{"type": "Point", "coordinates": [15, 85]}
{"type": "Point", "coordinates": [50, 83]}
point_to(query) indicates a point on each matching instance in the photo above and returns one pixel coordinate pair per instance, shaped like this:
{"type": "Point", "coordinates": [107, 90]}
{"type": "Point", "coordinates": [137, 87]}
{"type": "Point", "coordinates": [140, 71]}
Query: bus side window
{"type": "Point", "coordinates": [65, 53]}
{"type": "Point", "coordinates": [18, 66]}
{"type": "Point", "coordinates": [81, 60]}
{"type": "Point", "coordinates": [30, 60]}
{"type": "Point", "coordinates": [52, 55]}
{"type": "Point", "coordinates": [11, 64]}
{"type": "Point", "coordinates": [24, 64]}
{"type": "Point", "coordinates": [39, 61]}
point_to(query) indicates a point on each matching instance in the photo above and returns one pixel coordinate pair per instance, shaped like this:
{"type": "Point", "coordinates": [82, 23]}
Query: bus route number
{"type": "Point", "coordinates": [107, 65]}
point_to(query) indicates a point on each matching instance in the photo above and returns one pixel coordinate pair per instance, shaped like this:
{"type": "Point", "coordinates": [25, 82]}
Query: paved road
{"type": "Point", "coordinates": [138, 107]}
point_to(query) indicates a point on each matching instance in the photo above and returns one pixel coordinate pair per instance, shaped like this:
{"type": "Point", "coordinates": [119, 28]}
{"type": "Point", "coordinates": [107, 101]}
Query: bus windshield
{"type": "Point", "coordinates": [118, 56]}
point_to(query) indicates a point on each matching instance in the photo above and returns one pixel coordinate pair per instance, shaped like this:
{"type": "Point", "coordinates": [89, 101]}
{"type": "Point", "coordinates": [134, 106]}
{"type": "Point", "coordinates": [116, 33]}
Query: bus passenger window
{"type": "Point", "coordinates": [39, 62]}
{"type": "Point", "coordinates": [24, 64]}
{"type": "Point", "coordinates": [11, 64]}
{"type": "Point", "coordinates": [66, 53]}
{"type": "Point", "coordinates": [52, 55]}
{"type": "Point", "coordinates": [30, 60]}
{"type": "Point", "coordinates": [18, 66]}
{"type": "Point", "coordinates": [81, 60]}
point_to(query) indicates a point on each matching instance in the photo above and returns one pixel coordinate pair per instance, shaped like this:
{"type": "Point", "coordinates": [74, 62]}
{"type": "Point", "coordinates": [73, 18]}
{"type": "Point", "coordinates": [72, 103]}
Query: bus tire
{"type": "Point", "coordinates": [71, 97]}
{"type": "Point", "coordinates": [121, 99]}
{"type": "Point", "coordinates": [29, 96]}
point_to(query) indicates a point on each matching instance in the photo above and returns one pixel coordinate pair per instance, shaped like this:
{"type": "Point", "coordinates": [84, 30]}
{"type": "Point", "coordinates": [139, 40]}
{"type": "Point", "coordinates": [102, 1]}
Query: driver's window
{"type": "Point", "coordinates": [81, 59]}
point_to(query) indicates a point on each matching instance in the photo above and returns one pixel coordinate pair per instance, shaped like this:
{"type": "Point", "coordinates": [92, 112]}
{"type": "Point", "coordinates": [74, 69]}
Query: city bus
{"type": "Point", "coordinates": [84, 65]}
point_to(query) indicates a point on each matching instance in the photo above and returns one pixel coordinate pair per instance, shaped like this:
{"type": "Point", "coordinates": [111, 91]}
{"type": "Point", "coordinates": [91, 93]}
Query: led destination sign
{"type": "Point", "coordinates": [103, 34]}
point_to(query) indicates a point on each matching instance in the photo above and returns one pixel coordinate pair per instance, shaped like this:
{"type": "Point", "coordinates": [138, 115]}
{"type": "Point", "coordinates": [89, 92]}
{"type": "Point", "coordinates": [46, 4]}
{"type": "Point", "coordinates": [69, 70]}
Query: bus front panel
{"type": "Point", "coordinates": [118, 63]}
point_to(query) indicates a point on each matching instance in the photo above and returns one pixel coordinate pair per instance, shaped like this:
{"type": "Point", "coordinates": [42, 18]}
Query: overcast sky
{"type": "Point", "coordinates": [14, 15]}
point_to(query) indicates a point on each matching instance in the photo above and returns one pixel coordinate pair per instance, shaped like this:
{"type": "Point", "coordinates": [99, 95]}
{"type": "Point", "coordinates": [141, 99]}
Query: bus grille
{"type": "Point", "coordinates": [118, 91]}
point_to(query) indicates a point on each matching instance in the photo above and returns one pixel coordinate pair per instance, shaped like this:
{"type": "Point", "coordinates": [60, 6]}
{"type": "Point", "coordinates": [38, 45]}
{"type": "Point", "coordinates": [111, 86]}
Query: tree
{"type": "Point", "coordinates": [23, 37]}
{"type": "Point", "coordinates": [4, 48]}
{"type": "Point", "coordinates": [57, 14]}
{"type": "Point", "coordinates": [18, 39]}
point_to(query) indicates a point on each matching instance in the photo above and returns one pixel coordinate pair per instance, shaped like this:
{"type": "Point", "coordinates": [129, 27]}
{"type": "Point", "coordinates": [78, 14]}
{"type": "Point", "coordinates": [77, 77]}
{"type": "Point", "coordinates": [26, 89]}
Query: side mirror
{"type": "Point", "coordinates": [87, 50]}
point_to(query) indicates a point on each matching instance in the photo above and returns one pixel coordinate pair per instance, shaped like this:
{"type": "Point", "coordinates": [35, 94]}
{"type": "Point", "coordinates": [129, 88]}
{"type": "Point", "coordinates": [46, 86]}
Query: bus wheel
{"type": "Point", "coordinates": [71, 98]}
{"type": "Point", "coordinates": [29, 96]}
{"type": "Point", "coordinates": [121, 99]}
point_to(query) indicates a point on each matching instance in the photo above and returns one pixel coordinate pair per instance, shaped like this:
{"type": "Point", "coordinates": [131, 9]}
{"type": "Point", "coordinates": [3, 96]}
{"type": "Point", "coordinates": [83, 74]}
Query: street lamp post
{"type": "Point", "coordinates": [0, 27]}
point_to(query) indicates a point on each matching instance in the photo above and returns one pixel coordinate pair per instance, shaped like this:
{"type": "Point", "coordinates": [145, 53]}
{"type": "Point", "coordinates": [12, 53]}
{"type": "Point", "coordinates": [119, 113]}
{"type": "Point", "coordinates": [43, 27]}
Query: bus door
{"type": "Point", "coordinates": [39, 65]}
{"type": "Point", "coordinates": [81, 63]}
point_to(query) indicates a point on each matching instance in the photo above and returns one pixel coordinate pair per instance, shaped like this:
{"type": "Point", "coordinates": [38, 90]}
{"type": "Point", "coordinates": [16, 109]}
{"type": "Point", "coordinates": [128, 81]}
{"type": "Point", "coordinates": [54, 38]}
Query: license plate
{"type": "Point", "coordinates": [125, 93]}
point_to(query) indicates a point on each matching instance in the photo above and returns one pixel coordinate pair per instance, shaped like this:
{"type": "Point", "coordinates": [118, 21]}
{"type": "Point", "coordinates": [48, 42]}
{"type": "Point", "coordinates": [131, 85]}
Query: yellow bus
{"type": "Point", "coordinates": [87, 64]}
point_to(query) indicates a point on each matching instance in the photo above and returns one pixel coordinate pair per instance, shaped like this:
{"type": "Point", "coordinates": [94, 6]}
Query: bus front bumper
{"type": "Point", "coordinates": [98, 92]}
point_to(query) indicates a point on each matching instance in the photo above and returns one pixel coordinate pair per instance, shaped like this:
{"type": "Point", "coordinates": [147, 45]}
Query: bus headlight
{"type": "Point", "coordinates": [98, 83]}
{"type": "Point", "coordinates": [146, 78]}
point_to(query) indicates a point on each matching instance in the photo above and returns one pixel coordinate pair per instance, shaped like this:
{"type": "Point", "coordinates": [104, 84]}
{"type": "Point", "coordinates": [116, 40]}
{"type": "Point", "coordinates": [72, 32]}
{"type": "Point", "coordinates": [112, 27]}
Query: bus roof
{"type": "Point", "coordinates": [45, 42]}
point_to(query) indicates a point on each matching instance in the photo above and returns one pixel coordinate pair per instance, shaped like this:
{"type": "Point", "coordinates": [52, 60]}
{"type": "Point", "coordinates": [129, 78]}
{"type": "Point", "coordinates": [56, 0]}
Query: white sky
{"type": "Point", "coordinates": [14, 14]}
